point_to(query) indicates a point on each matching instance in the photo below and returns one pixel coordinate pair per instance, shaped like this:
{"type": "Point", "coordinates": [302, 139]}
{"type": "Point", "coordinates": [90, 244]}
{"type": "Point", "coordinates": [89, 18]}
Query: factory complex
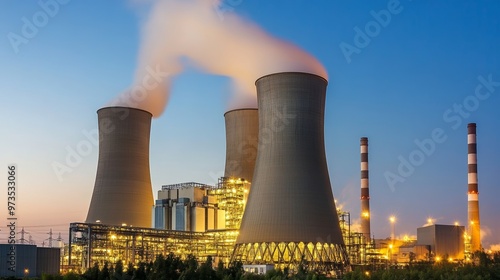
{"type": "Point", "coordinates": [273, 208]}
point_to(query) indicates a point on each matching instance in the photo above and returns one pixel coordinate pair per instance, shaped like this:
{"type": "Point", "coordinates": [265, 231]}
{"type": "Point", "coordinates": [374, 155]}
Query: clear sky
{"type": "Point", "coordinates": [407, 77]}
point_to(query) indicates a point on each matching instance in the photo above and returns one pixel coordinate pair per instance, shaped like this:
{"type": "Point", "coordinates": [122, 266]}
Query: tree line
{"type": "Point", "coordinates": [483, 267]}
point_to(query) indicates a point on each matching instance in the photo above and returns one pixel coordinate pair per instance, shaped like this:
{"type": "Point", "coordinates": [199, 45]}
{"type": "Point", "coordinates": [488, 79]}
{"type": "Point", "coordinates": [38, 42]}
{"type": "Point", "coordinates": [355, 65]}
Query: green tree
{"type": "Point", "coordinates": [118, 271]}
{"type": "Point", "coordinates": [104, 273]}
{"type": "Point", "coordinates": [206, 270]}
{"type": "Point", "coordinates": [140, 272]}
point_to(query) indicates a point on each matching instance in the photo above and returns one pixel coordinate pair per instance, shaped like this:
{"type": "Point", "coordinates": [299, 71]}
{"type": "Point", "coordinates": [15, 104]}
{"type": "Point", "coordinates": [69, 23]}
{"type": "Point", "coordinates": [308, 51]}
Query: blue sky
{"type": "Point", "coordinates": [396, 89]}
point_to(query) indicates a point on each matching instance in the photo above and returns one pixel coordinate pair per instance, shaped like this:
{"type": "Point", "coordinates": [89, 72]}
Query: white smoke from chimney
{"type": "Point", "coordinates": [228, 46]}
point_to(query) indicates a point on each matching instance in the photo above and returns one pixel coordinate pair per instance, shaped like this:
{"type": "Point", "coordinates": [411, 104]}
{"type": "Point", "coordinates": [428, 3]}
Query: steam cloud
{"type": "Point", "coordinates": [221, 44]}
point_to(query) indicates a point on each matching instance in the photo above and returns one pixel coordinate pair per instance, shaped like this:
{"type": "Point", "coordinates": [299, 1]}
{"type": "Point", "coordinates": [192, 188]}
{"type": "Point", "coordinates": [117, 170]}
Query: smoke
{"type": "Point", "coordinates": [484, 232]}
{"type": "Point", "coordinates": [495, 247]}
{"type": "Point", "coordinates": [177, 32]}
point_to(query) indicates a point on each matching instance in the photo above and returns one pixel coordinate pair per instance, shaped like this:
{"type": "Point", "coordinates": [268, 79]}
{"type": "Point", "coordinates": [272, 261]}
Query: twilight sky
{"type": "Point", "coordinates": [399, 72]}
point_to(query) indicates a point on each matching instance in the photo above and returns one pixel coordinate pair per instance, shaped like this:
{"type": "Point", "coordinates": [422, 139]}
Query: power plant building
{"type": "Point", "coordinates": [274, 207]}
{"type": "Point", "coordinates": [441, 241]}
{"type": "Point", "coordinates": [23, 260]}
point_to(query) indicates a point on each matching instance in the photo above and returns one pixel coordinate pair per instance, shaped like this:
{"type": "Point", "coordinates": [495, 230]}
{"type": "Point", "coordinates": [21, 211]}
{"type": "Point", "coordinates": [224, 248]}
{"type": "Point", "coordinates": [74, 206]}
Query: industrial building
{"type": "Point", "coordinates": [440, 241]}
{"type": "Point", "coordinates": [23, 260]}
{"type": "Point", "coordinates": [274, 206]}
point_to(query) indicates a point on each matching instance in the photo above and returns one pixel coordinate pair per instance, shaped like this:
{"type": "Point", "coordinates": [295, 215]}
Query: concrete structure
{"type": "Point", "coordinates": [23, 260]}
{"type": "Point", "coordinates": [291, 208]}
{"type": "Point", "coordinates": [474, 223]}
{"type": "Point", "coordinates": [258, 268]}
{"type": "Point", "coordinates": [122, 191]}
{"type": "Point", "coordinates": [365, 191]}
{"type": "Point", "coordinates": [242, 132]}
{"type": "Point", "coordinates": [442, 240]}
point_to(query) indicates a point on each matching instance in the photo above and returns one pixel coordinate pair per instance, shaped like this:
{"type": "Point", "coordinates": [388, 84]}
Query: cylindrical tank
{"type": "Point", "coordinates": [122, 191]}
{"type": "Point", "coordinates": [242, 132]}
{"type": "Point", "coordinates": [291, 198]}
{"type": "Point", "coordinates": [365, 190]}
{"type": "Point", "coordinates": [473, 193]}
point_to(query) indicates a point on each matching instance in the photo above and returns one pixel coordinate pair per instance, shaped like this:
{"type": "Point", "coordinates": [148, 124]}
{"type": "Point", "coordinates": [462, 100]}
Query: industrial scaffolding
{"type": "Point", "coordinates": [360, 251]}
{"type": "Point", "coordinates": [231, 194]}
{"type": "Point", "coordinates": [91, 243]}
{"type": "Point", "coordinates": [97, 243]}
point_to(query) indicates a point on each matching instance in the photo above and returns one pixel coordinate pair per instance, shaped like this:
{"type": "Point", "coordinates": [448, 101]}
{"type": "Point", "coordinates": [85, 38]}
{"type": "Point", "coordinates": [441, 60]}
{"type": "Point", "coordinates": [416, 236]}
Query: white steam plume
{"type": "Point", "coordinates": [228, 46]}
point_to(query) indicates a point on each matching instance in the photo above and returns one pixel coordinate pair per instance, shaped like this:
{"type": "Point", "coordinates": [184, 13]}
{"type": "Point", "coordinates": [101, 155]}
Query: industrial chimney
{"type": "Point", "coordinates": [242, 132]}
{"type": "Point", "coordinates": [290, 216]}
{"type": "Point", "coordinates": [122, 190]}
{"type": "Point", "coordinates": [365, 191]}
{"type": "Point", "coordinates": [473, 202]}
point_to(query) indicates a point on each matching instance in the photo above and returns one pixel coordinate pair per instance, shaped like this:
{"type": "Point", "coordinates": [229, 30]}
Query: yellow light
{"type": "Point", "coordinates": [438, 259]}
{"type": "Point", "coordinates": [366, 214]}
{"type": "Point", "coordinates": [429, 221]}
{"type": "Point", "coordinates": [124, 224]}
{"type": "Point", "coordinates": [456, 224]}
{"type": "Point", "coordinates": [392, 219]}
{"type": "Point", "coordinates": [113, 237]}
{"type": "Point", "coordinates": [367, 273]}
{"type": "Point", "coordinates": [450, 259]}
{"type": "Point", "coordinates": [390, 246]}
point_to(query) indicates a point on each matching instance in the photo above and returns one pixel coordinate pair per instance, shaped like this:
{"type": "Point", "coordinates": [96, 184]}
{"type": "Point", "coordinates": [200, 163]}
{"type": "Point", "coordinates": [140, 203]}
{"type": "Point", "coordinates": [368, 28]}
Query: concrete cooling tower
{"type": "Point", "coordinates": [122, 191]}
{"type": "Point", "coordinates": [290, 216]}
{"type": "Point", "coordinates": [242, 132]}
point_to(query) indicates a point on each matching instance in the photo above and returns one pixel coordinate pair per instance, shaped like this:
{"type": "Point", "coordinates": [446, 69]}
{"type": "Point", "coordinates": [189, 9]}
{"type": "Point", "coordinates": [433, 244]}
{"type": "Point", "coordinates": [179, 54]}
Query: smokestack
{"type": "Point", "coordinates": [365, 191]}
{"type": "Point", "coordinates": [290, 213]}
{"type": "Point", "coordinates": [242, 132]}
{"type": "Point", "coordinates": [473, 193]}
{"type": "Point", "coordinates": [122, 190]}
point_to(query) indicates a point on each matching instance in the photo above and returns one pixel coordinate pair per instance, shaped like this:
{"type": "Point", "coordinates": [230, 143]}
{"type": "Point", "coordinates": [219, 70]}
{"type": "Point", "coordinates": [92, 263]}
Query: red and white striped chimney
{"type": "Point", "coordinates": [473, 202]}
{"type": "Point", "coordinates": [365, 191]}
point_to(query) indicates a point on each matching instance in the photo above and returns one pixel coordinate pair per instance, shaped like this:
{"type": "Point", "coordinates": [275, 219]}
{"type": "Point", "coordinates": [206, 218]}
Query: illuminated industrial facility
{"type": "Point", "coordinates": [274, 206]}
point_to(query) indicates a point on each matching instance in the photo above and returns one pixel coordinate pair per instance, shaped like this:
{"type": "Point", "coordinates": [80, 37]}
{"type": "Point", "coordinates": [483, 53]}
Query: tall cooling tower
{"type": "Point", "coordinates": [473, 193]}
{"type": "Point", "coordinates": [290, 216]}
{"type": "Point", "coordinates": [242, 132]}
{"type": "Point", "coordinates": [365, 190]}
{"type": "Point", "coordinates": [122, 190]}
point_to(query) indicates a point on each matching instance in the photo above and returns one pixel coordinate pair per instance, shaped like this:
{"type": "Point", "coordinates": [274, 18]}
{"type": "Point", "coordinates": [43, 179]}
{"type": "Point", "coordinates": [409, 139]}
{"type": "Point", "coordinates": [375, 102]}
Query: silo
{"type": "Point", "coordinates": [242, 132]}
{"type": "Point", "coordinates": [290, 216]}
{"type": "Point", "coordinates": [122, 191]}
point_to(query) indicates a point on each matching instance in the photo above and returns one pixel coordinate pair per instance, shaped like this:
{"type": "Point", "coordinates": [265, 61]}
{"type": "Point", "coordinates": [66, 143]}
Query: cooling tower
{"type": "Point", "coordinates": [122, 190]}
{"type": "Point", "coordinates": [365, 191]}
{"type": "Point", "coordinates": [242, 132]}
{"type": "Point", "coordinates": [473, 202]}
{"type": "Point", "coordinates": [290, 213]}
